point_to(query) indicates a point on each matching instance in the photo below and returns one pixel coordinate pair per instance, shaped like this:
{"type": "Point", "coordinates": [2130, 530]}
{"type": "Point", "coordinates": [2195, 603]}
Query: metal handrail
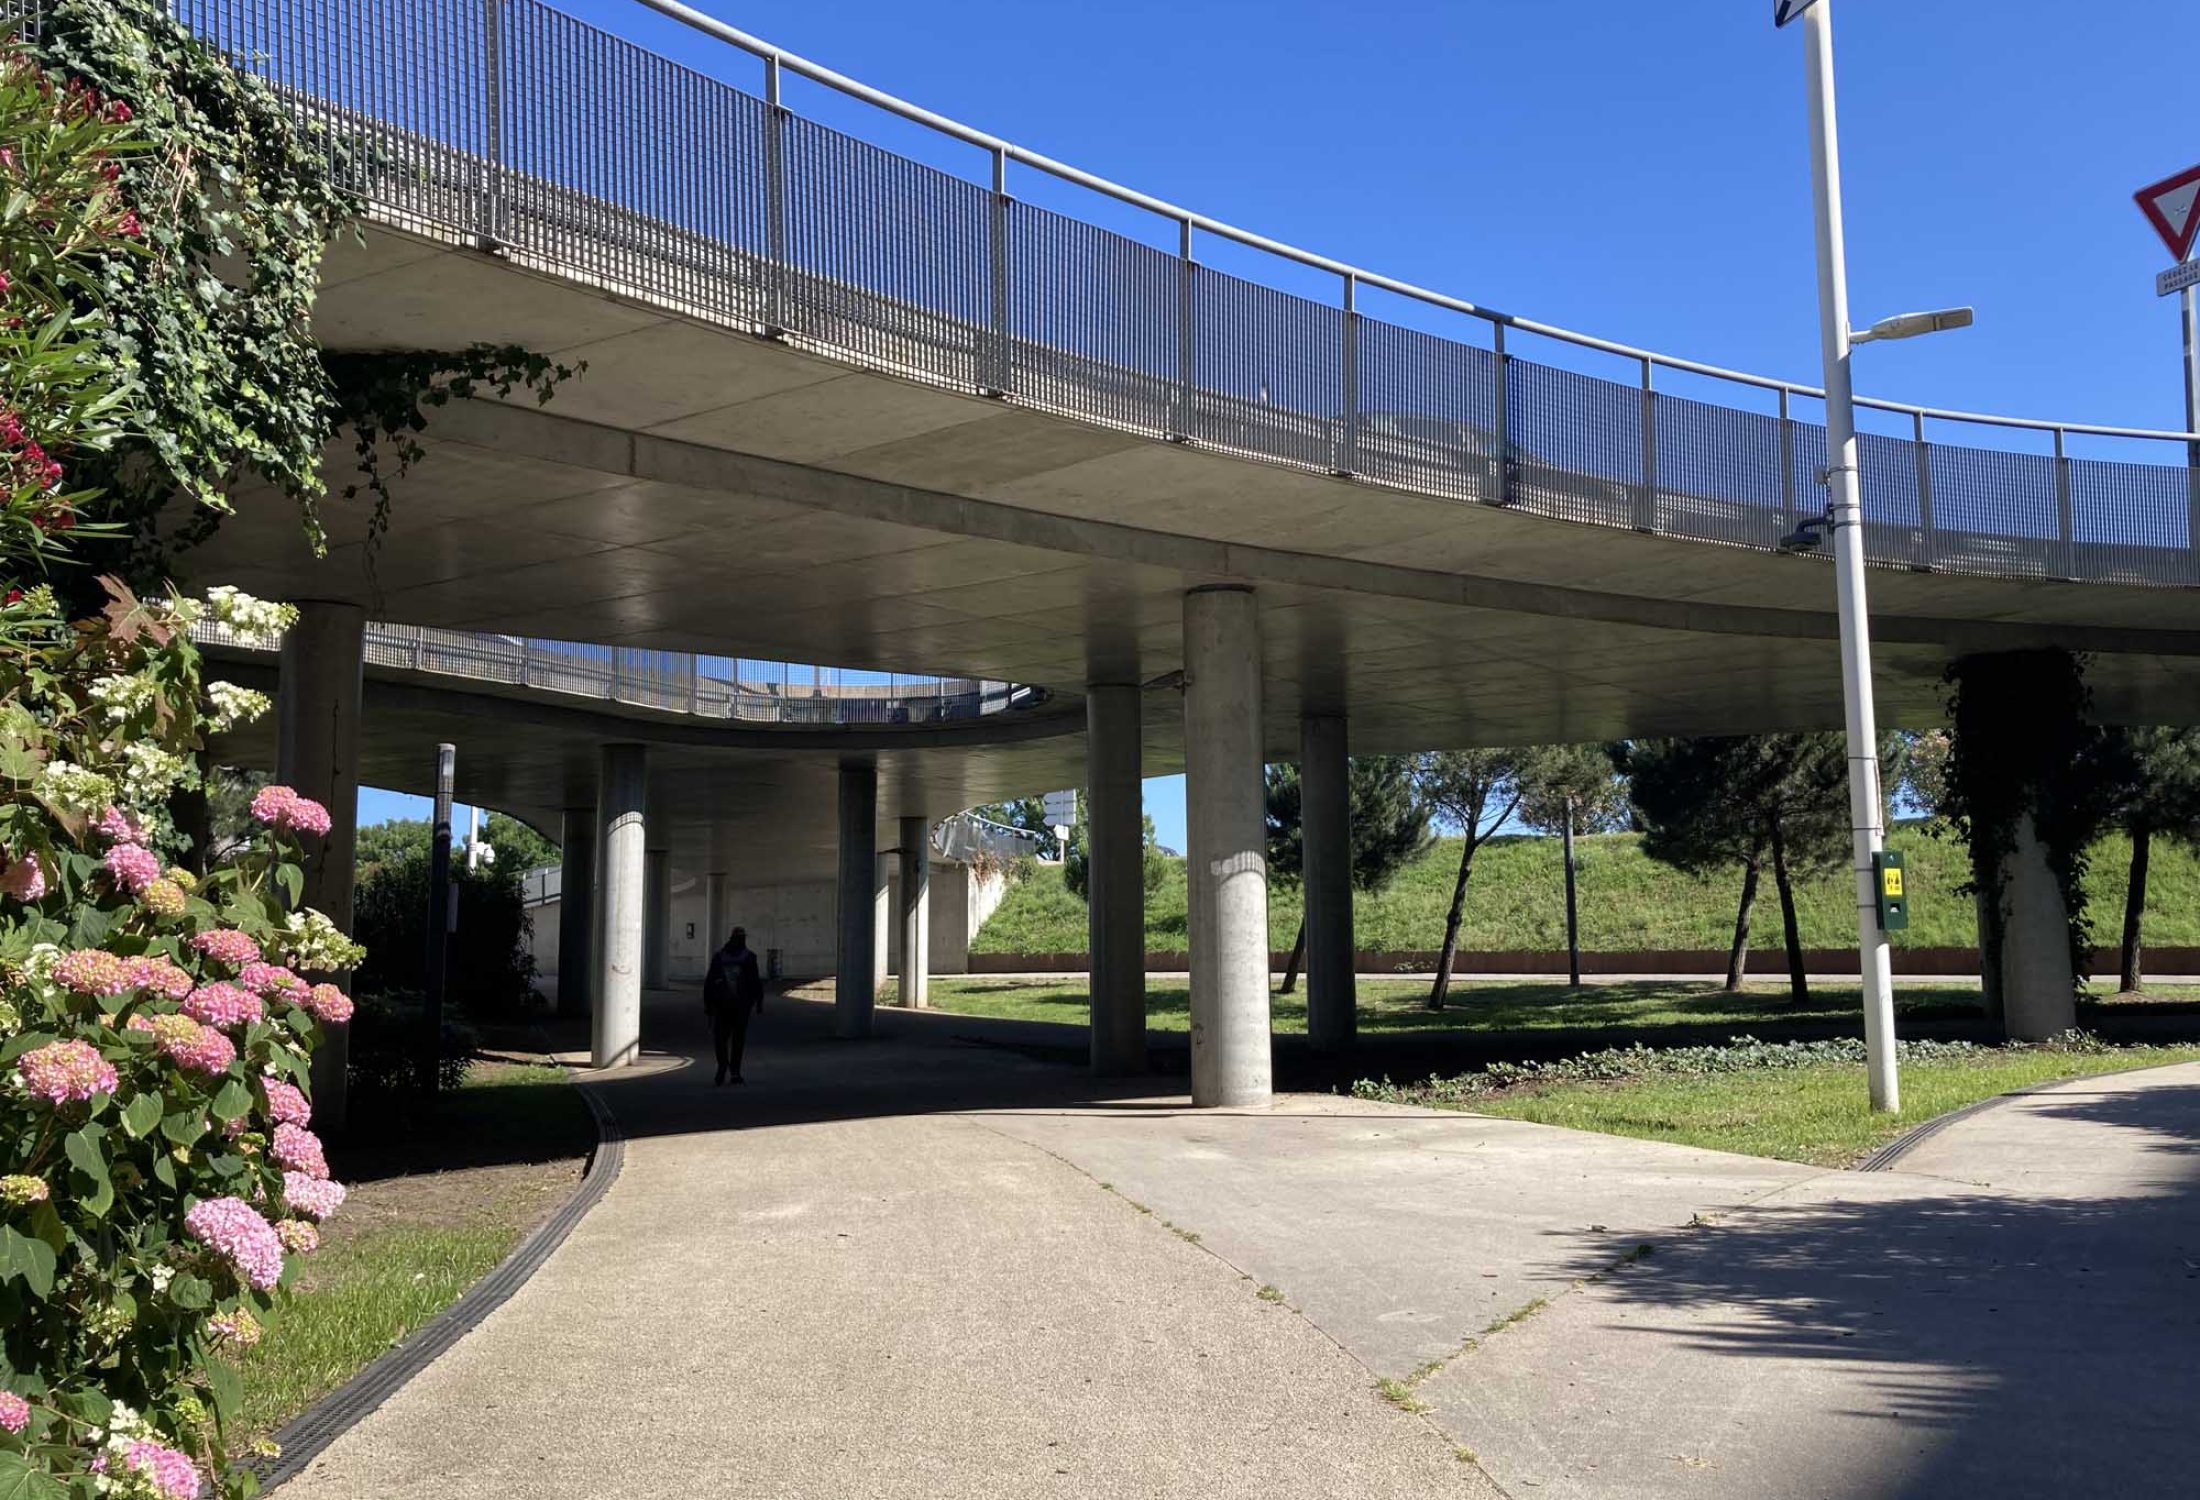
{"type": "Point", "coordinates": [778, 60]}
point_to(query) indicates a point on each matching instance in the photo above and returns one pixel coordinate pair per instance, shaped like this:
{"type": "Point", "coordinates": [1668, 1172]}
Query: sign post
{"type": "Point", "coordinates": [2172, 206]}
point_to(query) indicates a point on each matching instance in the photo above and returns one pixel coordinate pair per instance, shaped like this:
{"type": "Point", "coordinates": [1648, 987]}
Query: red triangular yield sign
{"type": "Point", "coordinates": [2172, 206]}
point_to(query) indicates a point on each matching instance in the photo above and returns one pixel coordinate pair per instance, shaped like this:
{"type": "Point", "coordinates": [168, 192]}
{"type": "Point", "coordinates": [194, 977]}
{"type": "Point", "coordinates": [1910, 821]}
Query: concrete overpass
{"type": "Point", "coordinates": [843, 406]}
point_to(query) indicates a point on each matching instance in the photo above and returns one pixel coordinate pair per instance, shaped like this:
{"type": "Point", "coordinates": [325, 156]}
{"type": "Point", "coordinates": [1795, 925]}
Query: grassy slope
{"type": "Point", "coordinates": [1517, 900]}
{"type": "Point", "coordinates": [413, 1242]}
{"type": "Point", "coordinates": [1818, 1115]}
{"type": "Point", "coordinates": [1388, 1005]}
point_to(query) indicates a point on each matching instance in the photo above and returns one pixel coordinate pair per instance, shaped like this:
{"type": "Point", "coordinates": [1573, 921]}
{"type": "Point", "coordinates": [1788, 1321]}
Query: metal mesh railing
{"type": "Point", "coordinates": [582, 153]}
{"type": "Point", "coordinates": [673, 681]}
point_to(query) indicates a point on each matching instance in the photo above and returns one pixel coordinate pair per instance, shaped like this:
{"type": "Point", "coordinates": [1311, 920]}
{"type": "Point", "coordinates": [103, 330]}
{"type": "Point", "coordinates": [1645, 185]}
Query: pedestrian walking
{"type": "Point", "coordinates": [732, 992]}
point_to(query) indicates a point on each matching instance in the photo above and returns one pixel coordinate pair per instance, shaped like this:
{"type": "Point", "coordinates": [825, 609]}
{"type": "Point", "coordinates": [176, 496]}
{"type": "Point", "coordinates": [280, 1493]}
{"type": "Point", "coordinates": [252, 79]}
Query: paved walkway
{"type": "Point", "coordinates": [937, 1265]}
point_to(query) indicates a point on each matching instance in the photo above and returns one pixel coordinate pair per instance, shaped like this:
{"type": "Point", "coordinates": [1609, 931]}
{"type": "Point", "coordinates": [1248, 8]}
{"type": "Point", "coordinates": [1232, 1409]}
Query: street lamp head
{"type": "Point", "coordinates": [1910, 325]}
{"type": "Point", "coordinates": [1807, 536]}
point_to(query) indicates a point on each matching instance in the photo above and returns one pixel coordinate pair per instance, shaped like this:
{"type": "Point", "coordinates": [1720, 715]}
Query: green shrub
{"type": "Point", "coordinates": [491, 972]}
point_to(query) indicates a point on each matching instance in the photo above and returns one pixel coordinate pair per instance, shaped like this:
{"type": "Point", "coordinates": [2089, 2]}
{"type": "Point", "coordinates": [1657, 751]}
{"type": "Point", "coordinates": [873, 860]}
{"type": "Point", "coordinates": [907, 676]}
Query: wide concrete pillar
{"type": "Point", "coordinates": [1325, 826]}
{"type": "Point", "coordinates": [916, 912]}
{"type": "Point", "coordinates": [657, 921]}
{"type": "Point", "coordinates": [622, 792]}
{"type": "Point", "coordinates": [857, 966]}
{"type": "Point", "coordinates": [1115, 890]}
{"type": "Point", "coordinates": [577, 910]}
{"type": "Point", "coordinates": [317, 720]}
{"type": "Point", "coordinates": [718, 904]}
{"type": "Point", "coordinates": [2038, 986]}
{"type": "Point", "coordinates": [882, 917]}
{"type": "Point", "coordinates": [1226, 867]}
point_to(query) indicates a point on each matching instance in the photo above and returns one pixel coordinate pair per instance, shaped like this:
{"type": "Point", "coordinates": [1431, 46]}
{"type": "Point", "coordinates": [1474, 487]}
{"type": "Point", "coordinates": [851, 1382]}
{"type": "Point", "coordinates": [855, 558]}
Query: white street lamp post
{"type": "Point", "coordinates": [1846, 521]}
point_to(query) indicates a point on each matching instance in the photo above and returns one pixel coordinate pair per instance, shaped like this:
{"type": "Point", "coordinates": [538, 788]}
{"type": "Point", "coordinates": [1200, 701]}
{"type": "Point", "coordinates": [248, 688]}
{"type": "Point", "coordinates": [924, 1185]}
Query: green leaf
{"type": "Point", "coordinates": [20, 1481]}
{"type": "Point", "coordinates": [190, 1292]}
{"type": "Point", "coordinates": [33, 1260]}
{"type": "Point", "coordinates": [225, 1388]}
{"type": "Point", "coordinates": [184, 1126]}
{"type": "Point", "coordinates": [233, 1100]}
{"type": "Point", "coordinates": [293, 881]}
{"type": "Point", "coordinates": [142, 1117]}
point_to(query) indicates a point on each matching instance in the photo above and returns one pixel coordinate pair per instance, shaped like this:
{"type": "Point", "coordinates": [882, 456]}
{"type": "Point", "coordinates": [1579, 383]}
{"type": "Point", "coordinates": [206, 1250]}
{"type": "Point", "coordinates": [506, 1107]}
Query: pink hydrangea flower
{"type": "Point", "coordinates": [282, 808]}
{"type": "Point", "coordinates": [163, 898]}
{"type": "Point", "coordinates": [24, 879]}
{"type": "Point", "coordinates": [226, 945]}
{"type": "Point", "coordinates": [65, 1072]}
{"type": "Point", "coordinates": [234, 1229]}
{"type": "Point", "coordinates": [93, 971]}
{"type": "Point", "coordinates": [171, 1473]}
{"type": "Point", "coordinates": [221, 1004]}
{"type": "Point", "coordinates": [15, 1412]}
{"type": "Point", "coordinates": [118, 827]}
{"type": "Point", "coordinates": [299, 1150]}
{"type": "Point", "coordinates": [298, 1236]}
{"type": "Point", "coordinates": [200, 1049]}
{"type": "Point", "coordinates": [239, 1328]}
{"type": "Point", "coordinates": [158, 975]}
{"type": "Point", "coordinates": [329, 1004]}
{"type": "Point", "coordinates": [272, 980]}
{"type": "Point", "coordinates": [133, 866]}
{"type": "Point", "coordinates": [286, 1103]}
{"type": "Point", "coordinates": [315, 1197]}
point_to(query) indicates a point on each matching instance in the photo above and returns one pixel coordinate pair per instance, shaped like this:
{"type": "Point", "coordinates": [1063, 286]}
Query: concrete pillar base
{"type": "Point", "coordinates": [622, 862]}
{"type": "Point", "coordinates": [2038, 986]}
{"type": "Point", "coordinates": [1227, 863]}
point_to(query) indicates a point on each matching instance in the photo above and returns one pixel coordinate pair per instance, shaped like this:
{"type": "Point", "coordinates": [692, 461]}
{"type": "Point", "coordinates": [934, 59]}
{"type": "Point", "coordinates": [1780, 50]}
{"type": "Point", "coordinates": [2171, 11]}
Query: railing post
{"type": "Point", "coordinates": [1928, 533]}
{"type": "Point", "coordinates": [492, 58]}
{"type": "Point", "coordinates": [1501, 415]}
{"type": "Point", "coordinates": [1788, 517]}
{"type": "Point", "coordinates": [1184, 270]}
{"type": "Point", "coordinates": [1646, 507]}
{"type": "Point", "coordinates": [998, 241]}
{"type": "Point", "coordinates": [2065, 518]}
{"type": "Point", "coordinates": [1348, 462]}
{"type": "Point", "coordinates": [775, 204]}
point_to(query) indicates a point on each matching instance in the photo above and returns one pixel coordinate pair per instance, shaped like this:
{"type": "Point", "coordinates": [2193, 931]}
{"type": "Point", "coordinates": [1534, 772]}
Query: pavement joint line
{"type": "Point", "coordinates": [304, 1437]}
{"type": "Point", "coordinates": [1384, 1385]}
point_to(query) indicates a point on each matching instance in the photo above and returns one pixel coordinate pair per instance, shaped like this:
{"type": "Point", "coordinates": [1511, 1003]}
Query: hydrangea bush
{"type": "Point", "coordinates": [162, 1175]}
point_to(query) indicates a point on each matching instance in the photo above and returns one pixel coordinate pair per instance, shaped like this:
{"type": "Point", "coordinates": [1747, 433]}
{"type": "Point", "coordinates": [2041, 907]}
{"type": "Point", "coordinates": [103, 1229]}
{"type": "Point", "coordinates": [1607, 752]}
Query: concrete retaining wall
{"type": "Point", "coordinates": [1763, 963]}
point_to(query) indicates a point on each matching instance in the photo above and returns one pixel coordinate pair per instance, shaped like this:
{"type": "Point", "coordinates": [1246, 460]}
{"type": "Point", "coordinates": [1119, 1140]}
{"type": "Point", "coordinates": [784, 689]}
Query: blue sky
{"type": "Point", "coordinates": [1635, 171]}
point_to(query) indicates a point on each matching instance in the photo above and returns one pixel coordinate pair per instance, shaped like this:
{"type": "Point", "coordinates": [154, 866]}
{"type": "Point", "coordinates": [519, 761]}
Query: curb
{"type": "Point", "coordinates": [1886, 1156]}
{"type": "Point", "coordinates": [304, 1437]}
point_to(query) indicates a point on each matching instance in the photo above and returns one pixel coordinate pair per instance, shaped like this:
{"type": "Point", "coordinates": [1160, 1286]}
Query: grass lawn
{"type": "Point", "coordinates": [433, 1206]}
{"type": "Point", "coordinates": [1389, 1005]}
{"type": "Point", "coordinates": [1517, 901]}
{"type": "Point", "coordinates": [1818, 1114]}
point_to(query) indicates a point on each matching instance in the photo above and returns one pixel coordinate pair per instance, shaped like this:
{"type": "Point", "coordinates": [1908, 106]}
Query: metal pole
{"type": "Point", "coordinates": [1349, 379]}
{"type": "Point", "coordinates": [1646, 508]}
{"type": "Point", "coordinates": [997, 249]}
{"type": "Point", "coordinates": [1844, 510]}
{"type": "Point", "coordinates": [775, 203]}
{"type": "Point", "coordinates": [2190, 320]}
{"type": "Point", "coordinates": [439, 921]}
{"type": "Point", "coordinates": [1501, 397]}
{"type": "Point", "coordinates": [1573, 922]}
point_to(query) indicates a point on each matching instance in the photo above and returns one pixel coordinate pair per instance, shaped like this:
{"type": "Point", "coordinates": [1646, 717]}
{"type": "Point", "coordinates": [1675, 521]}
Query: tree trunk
{"type": "Point", "coordinates": [1450, 950]}
{"type": "Point", "coordinates": [2135, 908]}
{"type": "Point", "coordinates": [1737, 957]}
{"type": "Point", "coordinates": [1798, 980]}
{"type": "Point", "coordinates": [1298, 956]}
{"type": "Point", "coordinates": [1573, 920]}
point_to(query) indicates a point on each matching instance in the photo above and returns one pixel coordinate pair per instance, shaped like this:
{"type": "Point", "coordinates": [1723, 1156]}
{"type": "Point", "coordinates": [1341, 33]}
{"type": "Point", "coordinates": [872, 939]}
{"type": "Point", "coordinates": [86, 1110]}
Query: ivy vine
{"type": "Point", "coordinates": [2024, 745]}
{"type": "Point", "coordinates": [210, 324]}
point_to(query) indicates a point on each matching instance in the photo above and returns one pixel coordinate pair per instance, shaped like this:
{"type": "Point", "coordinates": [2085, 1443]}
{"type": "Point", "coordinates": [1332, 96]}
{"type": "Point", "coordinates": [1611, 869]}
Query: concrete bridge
{"type": "Point", "coordinates": [843, 406]}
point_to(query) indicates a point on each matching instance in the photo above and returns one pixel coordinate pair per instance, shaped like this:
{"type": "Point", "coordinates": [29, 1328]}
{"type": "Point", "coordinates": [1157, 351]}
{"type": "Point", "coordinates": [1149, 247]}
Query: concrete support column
{"type": "Point", "coordinates": [882, 917]}
{"type": "Point", "coordinates": [657, 923]}
{"type": "Point", "coordinates": [856, 971]}
{"type": "Point", "coordinates": [1115, 891]}
{"type": "Point", "coordinates": [2038, 986]}
{"type": "Point", "coordinates": [718, 904]}
{"type": "Point", "coordinates": [1325, 823]}
{"type": "Point", "coordinates": [916, 912]}
{"type": "Point", "coordinates": [577, 911]}
{"type": "Point", "coordinates": [317, 720]}
{"type": "Point", "coordinates": [622, 792]}
{"type": "Point", "coordinates": [1227, 864]}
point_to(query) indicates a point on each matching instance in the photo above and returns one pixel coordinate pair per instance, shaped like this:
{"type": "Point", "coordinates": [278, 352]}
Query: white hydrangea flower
{"type": "Point", "coordinates": [123, 697]}
{"type": "Point", "coordinates": [182, 610]}
{"type": "Point", "coordinates": [160, 1276]}
{"type": "Point", "coordinates": [247, 615]}
{"type": "Point", "coordinates": [150, 773]}
{"type": "Point", "coordinates": [312, 942]}
{"type": "Point", "coordinates": [69, 788]}
{"type": "Point", "coordinates": [233, 705]}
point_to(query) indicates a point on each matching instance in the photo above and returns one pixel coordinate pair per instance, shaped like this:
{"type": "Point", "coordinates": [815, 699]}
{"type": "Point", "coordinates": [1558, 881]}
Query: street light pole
{"type": "Point", "coordinates": [1846, 522]}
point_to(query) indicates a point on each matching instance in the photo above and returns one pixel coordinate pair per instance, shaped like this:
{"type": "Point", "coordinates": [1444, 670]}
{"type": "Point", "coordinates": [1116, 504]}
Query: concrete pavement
{"type": "Point", "coordinates": [936, 1265]}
